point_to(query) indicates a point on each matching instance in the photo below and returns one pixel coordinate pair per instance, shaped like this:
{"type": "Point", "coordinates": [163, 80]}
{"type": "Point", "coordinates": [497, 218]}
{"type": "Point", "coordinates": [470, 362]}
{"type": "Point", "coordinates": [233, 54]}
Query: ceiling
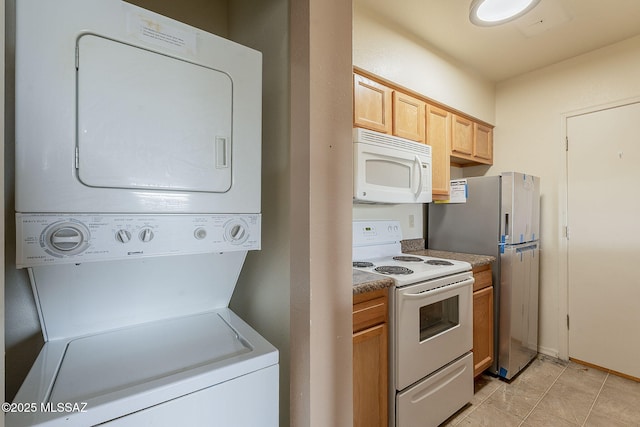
{"type": "Point", "coordinates": [553, 31]}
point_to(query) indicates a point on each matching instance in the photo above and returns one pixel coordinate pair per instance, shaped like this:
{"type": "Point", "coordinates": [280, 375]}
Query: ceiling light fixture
{"type": "Point", "coordinates": [487, 13]}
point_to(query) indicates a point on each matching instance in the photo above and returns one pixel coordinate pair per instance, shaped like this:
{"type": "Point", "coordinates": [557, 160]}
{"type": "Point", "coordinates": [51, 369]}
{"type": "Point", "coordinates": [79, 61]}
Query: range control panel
{"type": "Point", "coordinates": [44, 239]}
{"type": "Point", "coordinates": [376, 232]}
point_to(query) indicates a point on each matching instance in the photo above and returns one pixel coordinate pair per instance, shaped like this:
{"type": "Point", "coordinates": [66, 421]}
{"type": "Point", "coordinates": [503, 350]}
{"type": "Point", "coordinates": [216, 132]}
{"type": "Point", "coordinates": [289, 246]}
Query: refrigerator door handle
{"type": "Point", "coordinates": [506, 226]}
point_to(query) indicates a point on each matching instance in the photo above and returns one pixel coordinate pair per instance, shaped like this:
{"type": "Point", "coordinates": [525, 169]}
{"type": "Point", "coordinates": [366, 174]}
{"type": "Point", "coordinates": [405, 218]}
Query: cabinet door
{"type": "Point", "coordinates": [483, 143]}
{"type": "Point", "coordinates": [462, 135]}
{"type": "Point", "coordinates": [482, 330]}
{"type": "Point", "coordinates": [439, 138]}
{"type": "Point", "coordinates": [408, 117]}
{"type": "Point", "coordinates": [370, 377]}
{"type": "Point", "coordinates": [371, 105]}
{"type": "Point", "coordinates": [369, 312]}
{"type": "Point", "coordinates": [482, 277]}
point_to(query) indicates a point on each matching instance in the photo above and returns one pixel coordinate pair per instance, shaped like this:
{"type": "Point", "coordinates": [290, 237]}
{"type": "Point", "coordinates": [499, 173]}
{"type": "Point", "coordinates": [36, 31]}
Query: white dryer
{"type": "Point", "coordinates": [138, 152]}
{"type": "Point", "coordinates": [119, 109]}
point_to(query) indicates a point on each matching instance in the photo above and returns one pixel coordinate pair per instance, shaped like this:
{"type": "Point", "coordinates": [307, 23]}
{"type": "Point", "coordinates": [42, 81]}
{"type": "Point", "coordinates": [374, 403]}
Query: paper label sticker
{"type": "Point", "coordinates": [161, 34]}
{"type": "Point", "coordinates": [458, 193]}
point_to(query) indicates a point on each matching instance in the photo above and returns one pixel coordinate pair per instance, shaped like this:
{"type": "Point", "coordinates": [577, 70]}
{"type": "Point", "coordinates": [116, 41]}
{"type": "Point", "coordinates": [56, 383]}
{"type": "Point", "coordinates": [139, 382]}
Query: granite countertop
{"type": "Point", "coordinates": [473, 259]}
{"type": "Point", "coordinates": [367, 282]}
{"type": "Point", "coordinates": [416, 246]}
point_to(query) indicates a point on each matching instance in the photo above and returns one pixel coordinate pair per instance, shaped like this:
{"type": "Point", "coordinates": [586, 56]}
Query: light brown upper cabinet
{"type": "Point", "coordinates": [371, 105]}
{"type": "Point", "coordinates": [471, 142]}
{"type": "Point", "coordinates": [462, 136]}
{"type": "Point", "coordinates": [439, 138]}
{"type": "Point", "coordinates": [483, 143]}
{"type": "Point", "coordinates": [408, 116]}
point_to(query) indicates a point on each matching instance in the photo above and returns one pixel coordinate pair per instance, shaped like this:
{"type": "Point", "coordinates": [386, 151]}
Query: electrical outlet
{"type": "Point", "coordinates": [412, 221]}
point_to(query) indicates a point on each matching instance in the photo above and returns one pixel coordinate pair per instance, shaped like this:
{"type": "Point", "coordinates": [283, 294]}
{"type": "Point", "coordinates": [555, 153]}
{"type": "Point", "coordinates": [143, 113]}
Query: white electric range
{"type": "Point", "coordinates": [431, 331]}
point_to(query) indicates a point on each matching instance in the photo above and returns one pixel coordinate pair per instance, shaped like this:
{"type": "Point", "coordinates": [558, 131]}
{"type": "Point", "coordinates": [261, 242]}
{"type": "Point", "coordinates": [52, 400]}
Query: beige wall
{"type": "Point", "coordinates": [207, 15]}
{"type": "Point", "coordinates": [286, 290]}
{"type": "Point", "coordinates": [529, 137]}
{"type": "Point", "coordinates": [321, 165]}
{"type": "Point", "coordinates": [389, 51]}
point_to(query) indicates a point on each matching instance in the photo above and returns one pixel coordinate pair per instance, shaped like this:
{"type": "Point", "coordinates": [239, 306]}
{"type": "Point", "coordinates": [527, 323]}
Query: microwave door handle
{"type": "Point", "coordinates": [418, 163]}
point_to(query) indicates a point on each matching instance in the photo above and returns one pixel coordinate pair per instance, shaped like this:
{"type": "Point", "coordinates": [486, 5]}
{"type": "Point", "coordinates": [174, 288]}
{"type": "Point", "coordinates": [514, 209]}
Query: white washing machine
{"type": "Point", "coordinates": [138, 151]}
{"type": "Point", "coordinates": [141, 343]}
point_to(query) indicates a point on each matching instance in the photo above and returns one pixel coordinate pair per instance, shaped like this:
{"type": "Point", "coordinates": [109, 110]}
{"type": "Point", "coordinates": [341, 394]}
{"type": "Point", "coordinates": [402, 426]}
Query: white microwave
{"type": "Point", "coordinates": [389, 169]}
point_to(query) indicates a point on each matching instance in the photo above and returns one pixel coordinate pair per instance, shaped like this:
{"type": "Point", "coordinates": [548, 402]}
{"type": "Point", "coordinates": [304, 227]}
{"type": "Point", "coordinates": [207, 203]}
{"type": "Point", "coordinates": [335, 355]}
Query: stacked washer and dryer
{"type": "Point", "coordinates": [138, 154]}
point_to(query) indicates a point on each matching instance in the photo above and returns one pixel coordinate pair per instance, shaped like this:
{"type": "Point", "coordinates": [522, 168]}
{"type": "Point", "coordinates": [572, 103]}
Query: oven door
{"type": "Point", "coordinates": [433, 326]}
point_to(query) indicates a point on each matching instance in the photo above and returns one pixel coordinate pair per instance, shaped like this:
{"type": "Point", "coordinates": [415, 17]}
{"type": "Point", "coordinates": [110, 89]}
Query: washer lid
{"type": "Point", "coordinates": [118, 360]}
{"type": "Point", "coordinates": [113, 374]}
{"type": "Point", "coordinates": [149, 121]}
{"type": "Point", "coordinates": [76, 301]}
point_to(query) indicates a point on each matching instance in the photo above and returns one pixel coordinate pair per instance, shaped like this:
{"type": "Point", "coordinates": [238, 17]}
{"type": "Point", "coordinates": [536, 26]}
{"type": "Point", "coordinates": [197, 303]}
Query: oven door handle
{"type": "Point", "coordinates": [430, 292]}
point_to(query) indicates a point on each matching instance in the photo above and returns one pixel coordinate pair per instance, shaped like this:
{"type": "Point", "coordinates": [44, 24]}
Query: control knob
{"type": "Point", "coordinates": [146, 235]}
{"type": "Point", "coordinates": [200, 233]}
{"type": "Point", "coordinates": [65, 238]}
{"type": "Point", "coordinates": [236, 232]}
{"type": "Point", "coordinates": [123, 236]}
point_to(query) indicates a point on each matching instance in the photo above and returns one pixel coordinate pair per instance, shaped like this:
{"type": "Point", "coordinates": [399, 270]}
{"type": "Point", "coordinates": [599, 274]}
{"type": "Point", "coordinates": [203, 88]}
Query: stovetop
{"type": "Point", "coordinates": [377, 249]}
{"type": "Point", "coordinates": [406, 269]}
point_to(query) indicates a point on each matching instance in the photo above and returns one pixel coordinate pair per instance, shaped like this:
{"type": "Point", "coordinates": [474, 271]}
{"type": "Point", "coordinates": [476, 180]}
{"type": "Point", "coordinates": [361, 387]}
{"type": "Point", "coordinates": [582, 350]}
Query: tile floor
{"type": "Point", "coordinates": [549, 393]}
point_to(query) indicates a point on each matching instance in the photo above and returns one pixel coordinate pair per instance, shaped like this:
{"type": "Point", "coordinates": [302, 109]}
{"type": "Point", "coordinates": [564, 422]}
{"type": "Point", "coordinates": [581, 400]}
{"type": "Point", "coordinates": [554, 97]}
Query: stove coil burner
{"type": "Point", "coordinates": [362, 264]}
{"type": "Point", "coordinates": [407, 258]}
{"type": "Point", "coordinates": [393, 269]}
{"type": "Point", "coordinates": [438, 262]}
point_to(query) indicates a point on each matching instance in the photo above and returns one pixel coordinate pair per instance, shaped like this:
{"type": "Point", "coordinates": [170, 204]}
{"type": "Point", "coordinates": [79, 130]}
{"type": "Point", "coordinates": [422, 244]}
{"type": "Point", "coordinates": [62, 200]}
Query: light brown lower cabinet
{"type": "Point", "coordinates": [370, 347]}
{"type": "Point", "coordinates": [482, 319]}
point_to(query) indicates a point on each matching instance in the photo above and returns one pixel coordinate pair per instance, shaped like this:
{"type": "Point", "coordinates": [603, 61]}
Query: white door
{"type": "Point", "coordinates": [604, 245]}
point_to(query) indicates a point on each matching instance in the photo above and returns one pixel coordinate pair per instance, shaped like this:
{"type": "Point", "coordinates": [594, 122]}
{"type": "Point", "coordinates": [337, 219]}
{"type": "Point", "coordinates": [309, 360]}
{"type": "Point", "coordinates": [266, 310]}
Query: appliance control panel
{"type": "Point", "coordinates": [376, 232]}
{"type": "Point", "coordinates": [44, 239]}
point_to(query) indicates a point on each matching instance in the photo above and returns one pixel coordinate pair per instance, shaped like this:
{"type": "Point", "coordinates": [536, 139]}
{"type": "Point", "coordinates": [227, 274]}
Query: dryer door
{"type": "Point", "coordinates": [149, 121]}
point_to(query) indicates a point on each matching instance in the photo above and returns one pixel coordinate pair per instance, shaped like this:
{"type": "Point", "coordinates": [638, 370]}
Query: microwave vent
{"type": "Point", "coordinates": [367, 136]}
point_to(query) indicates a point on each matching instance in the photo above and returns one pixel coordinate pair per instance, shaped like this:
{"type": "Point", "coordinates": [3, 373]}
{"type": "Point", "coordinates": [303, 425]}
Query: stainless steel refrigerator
{"type": "Point", "coordinates": [501, 217]}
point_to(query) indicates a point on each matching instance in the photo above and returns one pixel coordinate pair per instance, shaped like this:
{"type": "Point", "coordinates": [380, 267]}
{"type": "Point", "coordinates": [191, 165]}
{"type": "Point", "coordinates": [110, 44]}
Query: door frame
{"type": "Point", "coordinates": [563, 215]}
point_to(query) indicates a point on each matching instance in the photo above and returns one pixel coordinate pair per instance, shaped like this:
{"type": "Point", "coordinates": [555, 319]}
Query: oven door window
{"type": "Point", "coordinates": [439, 317]}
